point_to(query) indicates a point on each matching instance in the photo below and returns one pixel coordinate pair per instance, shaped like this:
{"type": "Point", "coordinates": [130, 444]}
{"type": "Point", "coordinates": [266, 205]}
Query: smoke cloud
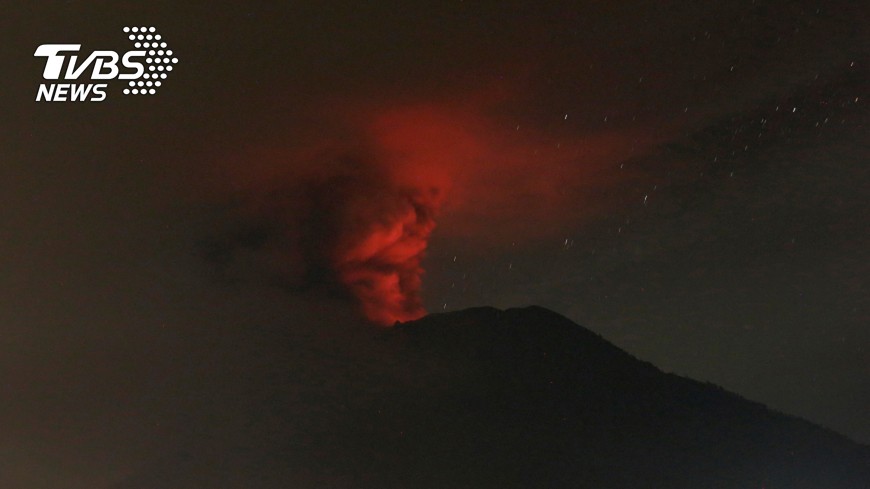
{"type": "Point", "coordinates": [370, 230]}
{"type": "Point", "coordinates": [354, 204]}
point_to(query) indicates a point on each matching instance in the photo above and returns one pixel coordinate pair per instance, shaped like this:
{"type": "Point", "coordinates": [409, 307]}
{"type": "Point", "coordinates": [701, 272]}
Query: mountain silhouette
{"type": "Point", "coordinates": [486, 398]}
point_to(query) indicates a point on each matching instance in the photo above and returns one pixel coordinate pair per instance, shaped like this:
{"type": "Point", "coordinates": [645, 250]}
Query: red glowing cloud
{"type": "Point", "coordinates": [381, 266]}
{"type": "Point", "coordinates": [378, 253]}
{"type": "Point", "coordinates": [358, 201]}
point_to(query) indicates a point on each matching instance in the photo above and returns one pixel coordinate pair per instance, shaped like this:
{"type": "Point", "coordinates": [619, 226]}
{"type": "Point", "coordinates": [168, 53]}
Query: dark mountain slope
{"type": "Point", "coordinates": [516, 398]}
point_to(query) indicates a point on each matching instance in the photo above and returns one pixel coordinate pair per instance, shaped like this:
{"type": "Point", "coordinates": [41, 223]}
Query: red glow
{"type": "Point", "coordinates": [361, 199]}
{"type": "Point", "coordinates": [382, 266]}
{"type": "Point", "coordinates": [380, 262]}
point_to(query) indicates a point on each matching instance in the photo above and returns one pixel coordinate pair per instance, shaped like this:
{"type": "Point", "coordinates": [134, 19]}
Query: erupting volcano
{"type": "Point", "coordinates": [357, 203]}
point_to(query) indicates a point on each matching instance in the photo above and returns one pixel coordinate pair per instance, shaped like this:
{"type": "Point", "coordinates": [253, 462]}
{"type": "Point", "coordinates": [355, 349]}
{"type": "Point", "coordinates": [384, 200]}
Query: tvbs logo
{"type": "Point", "coordinates": [144, 68]}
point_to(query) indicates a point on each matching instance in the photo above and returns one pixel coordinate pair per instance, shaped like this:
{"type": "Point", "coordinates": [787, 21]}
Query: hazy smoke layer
{"type": "Point", "coordinates": [356, 204]}
{"type": "Point", "coordinates": [370, 232]}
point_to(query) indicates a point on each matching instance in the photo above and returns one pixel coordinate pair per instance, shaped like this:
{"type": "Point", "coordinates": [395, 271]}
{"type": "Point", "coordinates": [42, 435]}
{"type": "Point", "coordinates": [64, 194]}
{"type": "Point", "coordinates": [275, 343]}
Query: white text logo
{"type": "Point", "coordinates": [145, 68]}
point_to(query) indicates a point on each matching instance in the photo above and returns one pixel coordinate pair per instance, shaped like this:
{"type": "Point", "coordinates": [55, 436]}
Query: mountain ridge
{"type": "Point", "coordinates": [515, 398]}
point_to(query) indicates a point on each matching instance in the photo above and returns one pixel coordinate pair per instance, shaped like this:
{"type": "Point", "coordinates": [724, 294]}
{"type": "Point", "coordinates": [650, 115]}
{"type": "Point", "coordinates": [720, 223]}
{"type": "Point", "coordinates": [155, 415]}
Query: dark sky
{"type": "Point", "coordinates": [688, 179]}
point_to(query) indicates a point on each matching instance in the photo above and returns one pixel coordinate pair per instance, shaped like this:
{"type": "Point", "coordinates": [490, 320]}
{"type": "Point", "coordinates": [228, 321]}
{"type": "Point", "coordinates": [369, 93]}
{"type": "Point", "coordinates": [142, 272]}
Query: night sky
{"type": "Point", "coordinates": [688, 179]}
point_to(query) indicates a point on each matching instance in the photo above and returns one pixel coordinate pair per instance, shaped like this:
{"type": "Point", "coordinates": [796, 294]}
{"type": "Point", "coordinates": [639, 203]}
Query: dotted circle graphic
{"type": "Point", "coordinates": [157, 64]}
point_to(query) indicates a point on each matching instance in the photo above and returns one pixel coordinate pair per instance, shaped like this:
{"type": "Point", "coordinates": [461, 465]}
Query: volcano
{"type": "Point", "coordinates": [516, 398]}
